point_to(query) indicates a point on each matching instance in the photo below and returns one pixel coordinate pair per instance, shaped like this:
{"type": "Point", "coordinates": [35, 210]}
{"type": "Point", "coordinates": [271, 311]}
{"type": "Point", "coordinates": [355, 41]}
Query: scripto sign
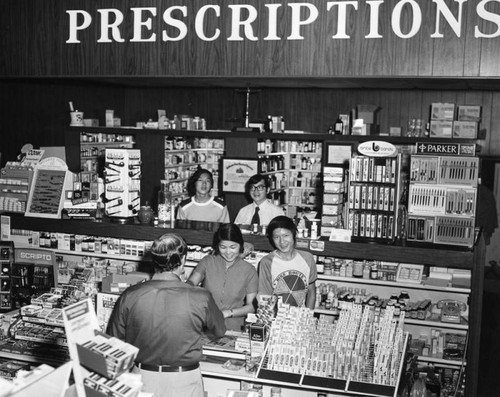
{"type": "Point", "coordinates": [38, 257]}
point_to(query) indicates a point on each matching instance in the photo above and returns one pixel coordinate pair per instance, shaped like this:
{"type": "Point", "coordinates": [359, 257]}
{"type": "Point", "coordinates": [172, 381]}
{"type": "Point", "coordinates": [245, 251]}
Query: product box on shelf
{"type": "Point", "coordinates": [441, 129]}
{"type": "Point", "coordinates": [258, 339]}
{"type": "Point", "coordinates": [116, 283]}
{"type": "Point", "coordinates": [465, 129]}
{"type": "Point", "coordinates": [469, 113]}
{"type": "Point", "coordinates": [442, 111]}
{"type": "Point", "coordinates": [106, 355]}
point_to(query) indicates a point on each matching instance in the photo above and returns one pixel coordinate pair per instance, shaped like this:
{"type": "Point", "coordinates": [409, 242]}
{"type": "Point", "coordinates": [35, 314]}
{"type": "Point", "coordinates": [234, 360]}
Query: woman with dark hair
{"type": "Point", "coordinates": [165, 319]}
{"type": "Point", "coordinates": [201, 206]}
{"type": "Point", "coordinates": [286, 271]}
{"type": "Point", "coordinates": [232, 281]}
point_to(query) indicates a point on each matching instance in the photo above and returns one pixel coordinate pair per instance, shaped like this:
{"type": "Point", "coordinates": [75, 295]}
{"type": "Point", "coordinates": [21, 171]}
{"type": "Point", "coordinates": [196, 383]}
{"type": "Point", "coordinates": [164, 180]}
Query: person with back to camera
{"type": "Point", "coordinates": [286, 271]}
{"type": "Point", "coordinates": [232, 281]}
{"type": "Point", "coordinates": [261, 210]}
{"type": "Point", "coordinates": [165, 318]}
{"type": "Point", "coordinates": [201, 206]}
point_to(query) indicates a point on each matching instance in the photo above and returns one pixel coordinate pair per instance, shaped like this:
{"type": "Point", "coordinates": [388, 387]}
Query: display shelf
{"type": "Point", "coordinates": [393, 284]}
{"type": "Point", "coordinates": [442, 361]}
{"type": "Point", "coordinates": [464, 326]}
{"type": "Point", "coordinates": [201, 233]}
{"type": "Point", "coordinates": [108, 144]}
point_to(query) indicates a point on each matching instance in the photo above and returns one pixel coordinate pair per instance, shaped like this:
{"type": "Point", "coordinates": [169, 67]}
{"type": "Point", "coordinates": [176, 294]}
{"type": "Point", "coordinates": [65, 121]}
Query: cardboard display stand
{"type": "Point", "coordinates": [51, 179]}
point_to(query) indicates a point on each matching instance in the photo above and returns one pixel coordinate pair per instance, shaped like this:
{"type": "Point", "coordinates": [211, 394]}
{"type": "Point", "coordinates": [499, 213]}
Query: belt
{"type": "Point", "coordinates": [167, 368]}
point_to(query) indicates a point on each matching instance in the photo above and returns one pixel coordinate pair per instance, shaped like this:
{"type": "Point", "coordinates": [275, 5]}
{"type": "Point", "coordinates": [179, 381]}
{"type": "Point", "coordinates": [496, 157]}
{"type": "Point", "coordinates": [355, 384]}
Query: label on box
{"type": "Point", "coordinates": [469, 113]}
{"type": "Point", "coordinates": [443, 111]}
{"type": "Point", "coordinates": [343, 235]}
{"type": "Point", "coordinates": [441, 129]}
{"type": "Point", "coordinates": [465, 129]}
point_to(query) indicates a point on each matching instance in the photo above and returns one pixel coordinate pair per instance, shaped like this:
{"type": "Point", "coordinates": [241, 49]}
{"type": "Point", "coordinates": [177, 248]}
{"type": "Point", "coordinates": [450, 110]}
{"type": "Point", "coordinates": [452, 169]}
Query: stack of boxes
{"type": "Point", "coordinates": [333, 200]}
{"type": "Point", "coordinates": [444, 124]}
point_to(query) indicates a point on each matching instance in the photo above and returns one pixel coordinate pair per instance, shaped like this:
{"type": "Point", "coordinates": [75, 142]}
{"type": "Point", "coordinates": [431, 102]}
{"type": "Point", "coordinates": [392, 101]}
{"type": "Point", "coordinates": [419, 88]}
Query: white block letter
{"type": "Point", "coordinates": [167, 17]}
{"type": "Point", "coordinates": [73, 24]}
{"type": "Point", "coordinates": [297, 22]}
{"type": "Point", "coordinates": [199, 20]}
{"type": "Point", "coordinates": [236, 22]}
{"type": "Point", "coordinates": [396, 19]}
{"type": "Point", "coordinates": [455, 24]}
{"type": "Point", "coordinates": [139, 23]}
{"type": "Point", "coordinates": [341, 19]}
{"type": "Point", "coordinates": [487, 16]}
{"type": "Point", "coordinates": [107, 27]}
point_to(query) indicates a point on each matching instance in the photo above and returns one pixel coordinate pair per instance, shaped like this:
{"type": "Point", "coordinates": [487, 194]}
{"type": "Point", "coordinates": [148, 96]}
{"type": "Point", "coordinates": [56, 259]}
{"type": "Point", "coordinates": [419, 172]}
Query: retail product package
{"type": "Point", "coordinates": [442, 111]}
{"type": "Point", "coordinates": [115, 283]}
{"type": "Point", "coordinates": [465, 129]}
{"type": "Point", "coordinates": [107, 355]}
{"type": "Point", "coordinates": [469, 113]}
{"type": "Point", "coordinates": [441, 129]}
{"type": "Point", "coordinates": [368, 113]}
{"type": "Point", "coordinates": [258, 339]}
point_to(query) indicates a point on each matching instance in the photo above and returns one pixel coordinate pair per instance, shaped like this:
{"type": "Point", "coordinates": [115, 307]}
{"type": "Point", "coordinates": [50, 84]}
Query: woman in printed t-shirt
{"type": "Point", "coordinates": [286, 271]}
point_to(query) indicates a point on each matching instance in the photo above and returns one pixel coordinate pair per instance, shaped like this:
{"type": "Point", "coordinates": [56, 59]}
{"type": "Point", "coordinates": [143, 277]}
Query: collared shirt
{"type": "Point", "coordinates": [213, 210]}
{"type": "Point", "coordinates": [229, 285]}
{"type": "Point", "coordinates": [267, 211]}
{"type": "Point", "coordinates": [165, 320]}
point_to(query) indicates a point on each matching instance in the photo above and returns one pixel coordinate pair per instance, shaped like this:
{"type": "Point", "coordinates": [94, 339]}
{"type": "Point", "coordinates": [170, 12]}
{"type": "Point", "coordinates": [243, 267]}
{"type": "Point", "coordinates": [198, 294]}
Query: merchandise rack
{"type": "Point", "coordinates": [334, 384]}
{"type": "Point", "coordinates": [201, 233]}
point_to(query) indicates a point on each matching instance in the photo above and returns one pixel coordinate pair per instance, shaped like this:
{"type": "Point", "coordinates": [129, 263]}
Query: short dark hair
{"type": "Point", "coordinates": [254, 179]}
{"type": "Point", "coordinates": [192, 180]}
{"type": "Point", "coordinates": [228, 232]}
{"type": "Point", "coordinates": [281, 222]}
{"type": "Point", "coordinates": [168, 251]}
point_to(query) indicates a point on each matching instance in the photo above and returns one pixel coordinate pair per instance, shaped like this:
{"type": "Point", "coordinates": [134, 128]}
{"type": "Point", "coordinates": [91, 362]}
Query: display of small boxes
{"type": "Point", "coordinates": [99, 386]}
{"type": "Point", "coordinates": [106, 355]}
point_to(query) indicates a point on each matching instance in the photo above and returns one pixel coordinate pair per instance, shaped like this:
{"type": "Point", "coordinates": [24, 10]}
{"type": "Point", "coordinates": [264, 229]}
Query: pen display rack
{"type": "Point", "coordinates": [373, 197]}
{"type": "Point", "coordinates": [122, 169]}
{"type": "Point", "coordinates": [107, 356]}
{"type": "Point", "coordinates": [442, 199]}
{"type": "Point", "coordinates": [362, 352]}
{"type": "Point", "coordinates": [15, 182]}
{"type": "Point", "coordinates": [6, 259]}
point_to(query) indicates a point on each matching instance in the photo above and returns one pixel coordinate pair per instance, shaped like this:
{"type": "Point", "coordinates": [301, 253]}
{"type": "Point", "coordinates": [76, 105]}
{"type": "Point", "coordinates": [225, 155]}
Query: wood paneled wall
{"type": "Point", "coordinates": [37, 111]}
{"type": "Point", "coordinates": [34, 38]}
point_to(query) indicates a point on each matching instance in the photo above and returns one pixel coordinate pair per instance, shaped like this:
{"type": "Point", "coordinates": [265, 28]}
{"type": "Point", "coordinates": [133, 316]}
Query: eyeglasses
{"type": "Point", "coordinates": [260, 188]}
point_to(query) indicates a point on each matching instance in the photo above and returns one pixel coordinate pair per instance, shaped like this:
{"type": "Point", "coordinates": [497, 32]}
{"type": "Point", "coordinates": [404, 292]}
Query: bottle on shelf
{"type": "Point", "coordinates": [269, 124]}
{"type": "Point", "coordinates": [299, 179]}
{"type": "Point", "coordinates": [165, 210]}
{"type": "Point", "coordinates": [338, 127]}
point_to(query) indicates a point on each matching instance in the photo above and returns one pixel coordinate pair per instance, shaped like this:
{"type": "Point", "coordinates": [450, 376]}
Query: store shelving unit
{"type": "Point", "coordinates": [294, 171]}
{"type": "Point", "coordinates": [441, 256]}
{"type": "Point", "coordinates": [93, 147]}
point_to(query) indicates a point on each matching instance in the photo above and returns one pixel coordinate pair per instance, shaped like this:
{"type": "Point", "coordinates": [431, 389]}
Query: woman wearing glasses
{"type": "Point", "coordinates": [261, 210]}
{"type": "Point", "coordinates": [202, 206]}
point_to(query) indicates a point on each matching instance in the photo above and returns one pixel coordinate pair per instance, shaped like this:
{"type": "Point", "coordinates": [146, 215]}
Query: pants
{"type": "Point", "coordinates": [172, 384]}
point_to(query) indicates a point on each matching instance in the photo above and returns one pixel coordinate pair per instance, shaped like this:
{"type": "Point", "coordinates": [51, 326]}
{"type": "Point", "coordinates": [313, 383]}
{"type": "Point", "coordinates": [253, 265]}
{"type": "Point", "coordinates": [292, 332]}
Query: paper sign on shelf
{"type": "Point", "coordinates": [80, 323]}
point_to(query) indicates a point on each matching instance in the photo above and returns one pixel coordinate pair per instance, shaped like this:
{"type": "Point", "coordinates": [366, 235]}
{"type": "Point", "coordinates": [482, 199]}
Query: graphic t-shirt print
{"type": "Point", "coordinates": [291, 285]}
